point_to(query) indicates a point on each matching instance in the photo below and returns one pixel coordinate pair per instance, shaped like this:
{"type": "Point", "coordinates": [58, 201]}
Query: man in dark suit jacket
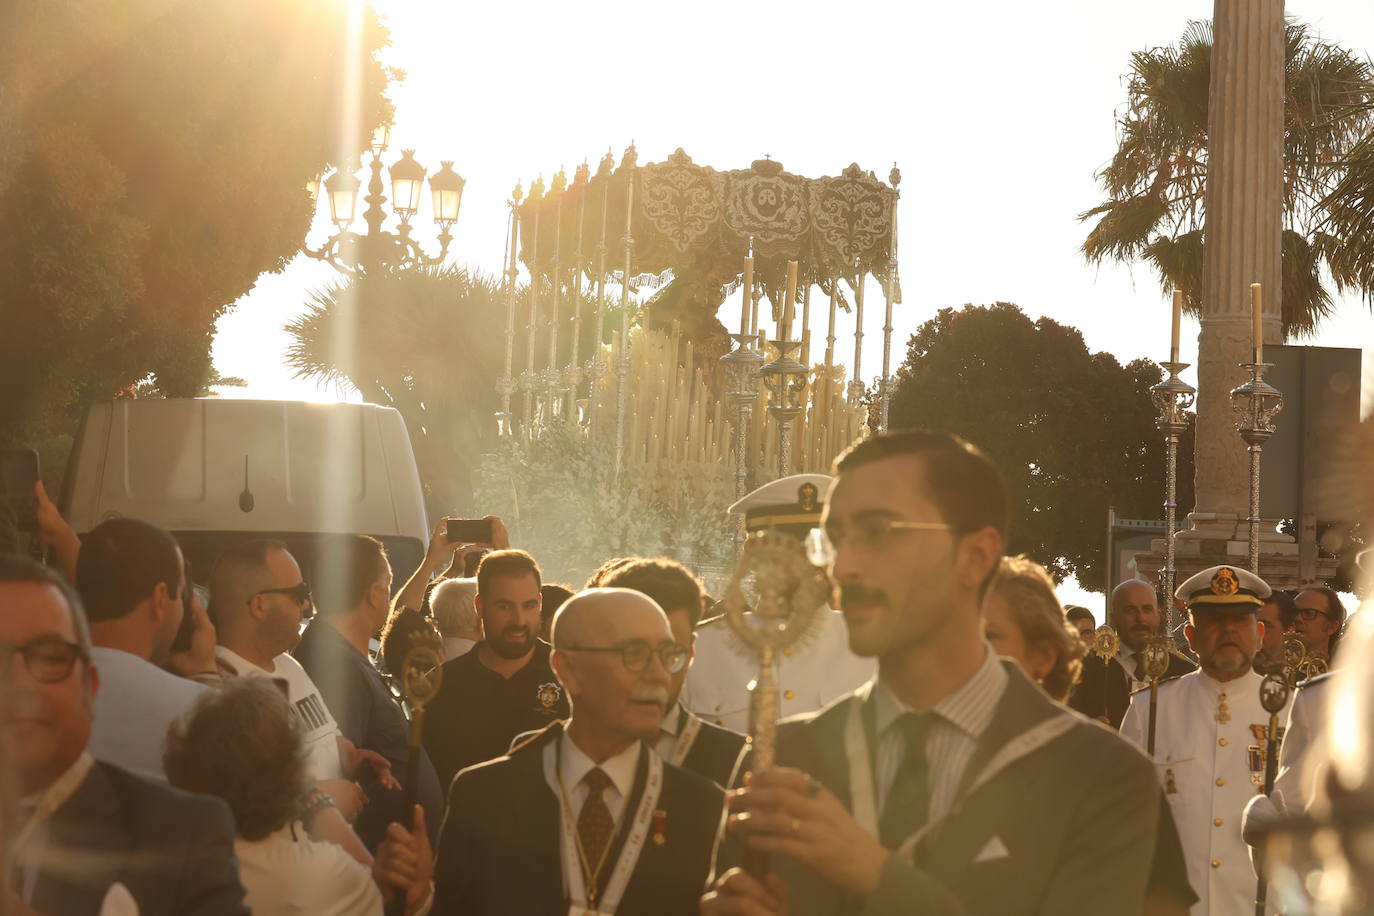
{"type": "Point", "coordinates": [684, 739]}
{"type": "Point", "coordinates": [952, 784]}
{"type": "Point", "coordinates": [84, 826]}
{"type": "Point", "coordinates": [533, 832]}
{"type": "Point", "coordinates": [1105, 687]}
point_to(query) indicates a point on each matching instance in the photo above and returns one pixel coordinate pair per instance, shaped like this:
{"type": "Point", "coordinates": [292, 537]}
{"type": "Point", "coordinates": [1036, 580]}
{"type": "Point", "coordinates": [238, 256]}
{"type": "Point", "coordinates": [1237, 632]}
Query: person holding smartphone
{"type": "Point", "coordinates": [455, 541]}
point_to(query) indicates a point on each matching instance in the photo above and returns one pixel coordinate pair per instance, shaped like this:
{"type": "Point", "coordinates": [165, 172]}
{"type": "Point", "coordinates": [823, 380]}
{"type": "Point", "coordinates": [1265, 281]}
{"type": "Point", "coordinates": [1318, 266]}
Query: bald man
{"type": "Point", "coordinates": [585, 817]}
{"type": "Point", "coordinates": [1104, 689]}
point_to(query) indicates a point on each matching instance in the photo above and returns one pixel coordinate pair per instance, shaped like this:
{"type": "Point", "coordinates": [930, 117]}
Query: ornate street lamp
{"type": "Point", "coordinates": [380, 250]}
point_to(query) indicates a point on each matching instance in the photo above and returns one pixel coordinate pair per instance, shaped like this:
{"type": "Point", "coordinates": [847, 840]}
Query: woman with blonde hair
{"type": "Point", "coordinates": [1026, 623]}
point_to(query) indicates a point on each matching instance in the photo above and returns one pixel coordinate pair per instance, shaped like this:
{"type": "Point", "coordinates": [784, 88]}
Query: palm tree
{"type": "Point", "coordinates": [427, 342]}
{"type": "Point", "coordinates": [1156, 181]}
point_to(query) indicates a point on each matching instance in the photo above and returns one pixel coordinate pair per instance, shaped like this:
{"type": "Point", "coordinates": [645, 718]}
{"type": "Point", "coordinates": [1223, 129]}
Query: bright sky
{"type": "Point", "coordinates": [998, 115]}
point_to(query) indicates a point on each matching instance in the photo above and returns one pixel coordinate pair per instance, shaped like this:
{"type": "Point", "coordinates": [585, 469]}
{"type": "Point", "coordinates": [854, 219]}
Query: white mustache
{"type": "Point", "coordinates": [650, 693]}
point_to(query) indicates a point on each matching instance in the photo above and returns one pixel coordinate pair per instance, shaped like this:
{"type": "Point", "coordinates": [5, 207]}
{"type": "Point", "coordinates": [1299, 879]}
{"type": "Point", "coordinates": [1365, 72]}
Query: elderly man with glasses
{"type": "Point", "coordinates": [585, 817]}
{"type": "Point", "coordinates": [90, 836]}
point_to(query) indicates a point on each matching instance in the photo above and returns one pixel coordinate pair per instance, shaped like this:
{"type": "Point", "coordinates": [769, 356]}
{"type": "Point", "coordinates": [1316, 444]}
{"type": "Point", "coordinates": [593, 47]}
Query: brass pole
{"type": "Point", "coordinates": [596, 368]}
{"type": "Point", "coordinates": [507, 384]}
{"type": "Point", "coordinates": [573, 374]}
{"type": "Point", "coordinates": [856, 384]}
{"type": "Point", "coordinates": [528, 379]}
{"type": "Point", "coordinates": [890, 294]}
{"type": "Point", "coordinates": [622, 366]}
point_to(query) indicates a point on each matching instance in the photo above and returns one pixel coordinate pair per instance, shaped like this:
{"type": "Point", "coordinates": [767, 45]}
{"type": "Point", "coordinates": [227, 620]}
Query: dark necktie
{"type": "Point", "coordinates": [594, 825]}
{"type": "Point", "coordinates": [1139, 659]}
{"type": "Point", "coordinates": [908, 799]}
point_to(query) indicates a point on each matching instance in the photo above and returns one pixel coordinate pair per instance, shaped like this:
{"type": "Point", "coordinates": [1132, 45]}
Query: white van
{"type": "Point", "coordinates": [218, 471]}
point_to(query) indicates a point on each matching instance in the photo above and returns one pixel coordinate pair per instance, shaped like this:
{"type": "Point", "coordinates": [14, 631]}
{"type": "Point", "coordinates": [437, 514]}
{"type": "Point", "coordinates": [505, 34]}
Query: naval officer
{"type": "Point", "coordinates": [809, 675]}
{"type": "Point", "coordinates": [1211, 734]}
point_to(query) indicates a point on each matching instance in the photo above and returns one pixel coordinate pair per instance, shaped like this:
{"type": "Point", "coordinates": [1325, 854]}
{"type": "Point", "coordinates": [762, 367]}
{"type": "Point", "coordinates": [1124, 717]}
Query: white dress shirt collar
{"type": "Point", "coordinates": [969, 707]}
{"type": "Point", "coordinates": [621, 768]}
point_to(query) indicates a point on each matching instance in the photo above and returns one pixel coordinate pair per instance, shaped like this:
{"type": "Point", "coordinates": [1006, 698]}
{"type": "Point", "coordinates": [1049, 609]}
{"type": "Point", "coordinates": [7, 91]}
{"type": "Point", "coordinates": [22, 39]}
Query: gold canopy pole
{"type": "Point", "coordinates": [572, 375]}
{"type": "Point", "coordinates": [551, 374]}
{"type": "Point", "coordinates": [506, 386]}
{"type": "Point", "coordinates": [596, 367]}
{"type": "Point", "coordinates": [890, 293]}
{"type": "Point", "coordinates": [856, 384]}
{"type": "Point", "coordinates": [806, 326]}
{"type": "Point", "coordinates": [528, 378]}
{"type": "Point", "coordinates": [622, 365]}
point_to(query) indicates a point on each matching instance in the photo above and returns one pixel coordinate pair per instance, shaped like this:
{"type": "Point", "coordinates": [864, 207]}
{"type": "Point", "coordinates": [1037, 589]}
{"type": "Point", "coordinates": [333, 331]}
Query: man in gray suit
{"type": "Point", "coordinates": [951, 784]}
{"type": "Point", "coordinates": [91, 833]}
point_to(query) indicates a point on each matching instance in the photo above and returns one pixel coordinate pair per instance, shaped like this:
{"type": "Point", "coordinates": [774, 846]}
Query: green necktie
{"type": "Point", "coordinates": [908, 799]}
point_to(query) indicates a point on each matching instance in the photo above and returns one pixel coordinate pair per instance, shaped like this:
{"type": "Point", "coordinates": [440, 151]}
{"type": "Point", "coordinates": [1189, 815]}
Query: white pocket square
{"type": "Point", "coordinates": [994, 849]}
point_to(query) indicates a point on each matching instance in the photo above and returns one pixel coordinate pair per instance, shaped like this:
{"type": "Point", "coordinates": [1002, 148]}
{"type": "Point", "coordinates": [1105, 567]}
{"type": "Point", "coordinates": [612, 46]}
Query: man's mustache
{"type": "Point", "coordinates": [853, 594]}
{"type": "Point", "coordinates": [515, 631]}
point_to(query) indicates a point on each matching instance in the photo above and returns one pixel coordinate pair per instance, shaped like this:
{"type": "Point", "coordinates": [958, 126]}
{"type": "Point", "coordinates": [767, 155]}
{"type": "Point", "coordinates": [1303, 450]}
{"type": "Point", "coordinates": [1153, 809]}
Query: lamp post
{"type": "Point", "coordinates": [1255, 403]}
{"type": "Point", "coordinates": [380, 250]}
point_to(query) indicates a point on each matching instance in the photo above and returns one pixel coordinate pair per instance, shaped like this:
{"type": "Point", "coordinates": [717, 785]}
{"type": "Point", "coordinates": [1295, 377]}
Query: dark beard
{"type": "Point", "coordinates": [509, 649]}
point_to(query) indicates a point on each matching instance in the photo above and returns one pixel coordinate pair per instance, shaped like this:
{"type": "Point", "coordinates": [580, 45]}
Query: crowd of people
{"type": "Point", "coordinates": [955, 741]}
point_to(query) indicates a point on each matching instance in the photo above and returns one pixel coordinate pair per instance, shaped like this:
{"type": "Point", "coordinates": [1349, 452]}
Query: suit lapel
{"type": "Point", "coordinates": [85, 849]}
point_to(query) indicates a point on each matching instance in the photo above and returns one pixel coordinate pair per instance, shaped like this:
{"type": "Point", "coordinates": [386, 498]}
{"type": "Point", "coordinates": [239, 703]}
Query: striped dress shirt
{"type": "Point", "coordinates": [959, 720]}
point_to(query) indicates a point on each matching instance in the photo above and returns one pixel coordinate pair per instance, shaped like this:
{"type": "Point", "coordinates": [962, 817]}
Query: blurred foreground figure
{"type": "Point", "coordinates": [585, 818]}
{"type": "Point", "coordinates": [90, 833]}
{"type": "Point", "coordinates": [951, 784]}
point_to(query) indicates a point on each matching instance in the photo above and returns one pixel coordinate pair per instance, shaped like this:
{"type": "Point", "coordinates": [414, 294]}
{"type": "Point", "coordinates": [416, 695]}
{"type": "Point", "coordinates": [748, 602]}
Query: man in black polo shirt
{"type": "Point", "coordinates": [504, 685]}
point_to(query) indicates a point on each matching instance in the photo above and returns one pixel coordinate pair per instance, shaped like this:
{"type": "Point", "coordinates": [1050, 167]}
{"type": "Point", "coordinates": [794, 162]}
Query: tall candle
{"type": "Point", "coordinates": [1178, 317]}
{"type": "Point", "coordinates": [748, 295]}
{"type": "Point", "coordinates": [1257, 311]}
{"type": "Point", "coordinates": [788, 300]}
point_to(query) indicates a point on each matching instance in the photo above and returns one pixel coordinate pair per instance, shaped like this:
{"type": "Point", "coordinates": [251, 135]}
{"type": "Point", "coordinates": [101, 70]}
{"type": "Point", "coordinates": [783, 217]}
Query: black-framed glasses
{"type": "Point", "coordinates": [49, 659]}
{"type": "Point", "coordinates": [299, 593]}
{"type": "Point", "coordinates": [636, 653]}
{"type": "Point", "coordinates": [1311, 613]}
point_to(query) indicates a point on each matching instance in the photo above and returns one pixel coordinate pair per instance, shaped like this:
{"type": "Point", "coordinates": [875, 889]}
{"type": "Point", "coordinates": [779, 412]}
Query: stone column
{"type": "Point", "coordinates": [1243, 243]}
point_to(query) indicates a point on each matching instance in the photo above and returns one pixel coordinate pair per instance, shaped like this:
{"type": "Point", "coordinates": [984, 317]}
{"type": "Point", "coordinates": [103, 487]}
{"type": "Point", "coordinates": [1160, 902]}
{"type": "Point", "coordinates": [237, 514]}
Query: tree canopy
{"type": "Point", "coordinates": [153, 162]}
{"type": "Point", "coordinates": [1072, 431]}
{"type": "Point", "coordinates": [1156, 182]}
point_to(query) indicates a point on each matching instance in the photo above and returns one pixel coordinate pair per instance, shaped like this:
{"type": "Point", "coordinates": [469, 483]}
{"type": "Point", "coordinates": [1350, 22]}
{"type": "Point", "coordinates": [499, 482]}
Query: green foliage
{"type": "Point", "coordinates": [425, 341]}
{"type": "Point", "coordinates": [1072, 431]}
{"type": "Point", "coordinates": [1156, 181]}
{"type": "Point", "coordinates": [558, 497]}
{"type": "Point", "coordinates": [152, 166]}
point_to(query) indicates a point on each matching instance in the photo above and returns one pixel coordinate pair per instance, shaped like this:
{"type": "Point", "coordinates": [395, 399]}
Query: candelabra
{"type": "Point", "coordinates": [741, 368]}
{"type": "Point", "coordinates": [1255, 403]}
{"type": "Point", "coordinates": [379, 250]}
{"type": "Point", "coordinates": [785, 379]}
{"type": "Point", "coordinates": [1172, 397]}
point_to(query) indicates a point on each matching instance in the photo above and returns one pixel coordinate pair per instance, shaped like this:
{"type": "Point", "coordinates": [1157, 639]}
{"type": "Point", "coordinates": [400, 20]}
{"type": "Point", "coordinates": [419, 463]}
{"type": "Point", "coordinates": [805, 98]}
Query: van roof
{"type": "Point", "coordinates": [211, 464]}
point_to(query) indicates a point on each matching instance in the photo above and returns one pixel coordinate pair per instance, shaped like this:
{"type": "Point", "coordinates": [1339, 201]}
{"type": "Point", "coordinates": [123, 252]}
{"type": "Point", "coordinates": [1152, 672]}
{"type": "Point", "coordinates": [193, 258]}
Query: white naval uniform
{"type": "Point", "coordinates": [809, 675]}
{"type": "Point", "coordinates": [1209, 770]}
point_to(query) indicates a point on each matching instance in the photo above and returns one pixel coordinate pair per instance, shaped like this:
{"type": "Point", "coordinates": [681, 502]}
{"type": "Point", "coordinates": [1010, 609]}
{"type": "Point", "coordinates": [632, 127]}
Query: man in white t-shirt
{"type": "Point", "coordinates": [259, 601]}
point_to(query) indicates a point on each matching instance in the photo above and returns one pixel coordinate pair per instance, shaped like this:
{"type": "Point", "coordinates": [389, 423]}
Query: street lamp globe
{"type": "Point", "coordinates": [446, 186]}
{"type": "Point", "coordinates": [407, 177]}
{"type": "Point", "coordinates": [342, 188]}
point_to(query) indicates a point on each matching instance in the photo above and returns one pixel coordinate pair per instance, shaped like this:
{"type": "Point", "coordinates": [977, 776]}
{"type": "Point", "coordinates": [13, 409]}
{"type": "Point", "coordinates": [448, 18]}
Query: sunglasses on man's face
{"type": "Point", "coordinates": [297, 593]}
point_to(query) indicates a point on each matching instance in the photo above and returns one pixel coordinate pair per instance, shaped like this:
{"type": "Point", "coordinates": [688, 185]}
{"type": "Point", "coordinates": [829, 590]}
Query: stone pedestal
{"type": "Point", "coordinates": [1278, 561]}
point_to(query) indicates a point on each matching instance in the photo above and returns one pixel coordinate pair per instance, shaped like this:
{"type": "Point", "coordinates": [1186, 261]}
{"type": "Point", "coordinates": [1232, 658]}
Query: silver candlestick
{"type": "Point", "coordinates": [1255, 403]}
{"type": "Point", "coordinates": [1173, 397]}
{"type": "Point", "coordinates": [741, 367]}
{"type": "Point", "coordinates": [785, 379]}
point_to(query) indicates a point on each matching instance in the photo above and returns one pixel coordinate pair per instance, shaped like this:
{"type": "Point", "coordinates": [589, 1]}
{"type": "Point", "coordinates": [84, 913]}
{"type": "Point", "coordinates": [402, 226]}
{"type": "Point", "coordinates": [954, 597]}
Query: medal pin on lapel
{"type": "Point", "coordinates": [660, 822]}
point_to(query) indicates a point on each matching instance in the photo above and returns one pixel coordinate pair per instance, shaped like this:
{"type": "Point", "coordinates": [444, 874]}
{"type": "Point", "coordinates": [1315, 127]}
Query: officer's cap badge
{"type": "Point", "coordinates": [1224, 582]}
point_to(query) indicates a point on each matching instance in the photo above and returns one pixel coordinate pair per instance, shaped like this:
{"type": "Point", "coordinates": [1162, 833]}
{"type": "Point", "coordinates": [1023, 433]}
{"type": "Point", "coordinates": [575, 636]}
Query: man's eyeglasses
{"type": "Point", "coordinates": [871, 534]}
{"type": "Point", "coordinates": [49, 659]}
{"type": "Point", "coordinates": [636, 653]}
{"type": "Point", "coordinates": [297, 593]}
{"type": "Point", "coordinates": [1311, 613]}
